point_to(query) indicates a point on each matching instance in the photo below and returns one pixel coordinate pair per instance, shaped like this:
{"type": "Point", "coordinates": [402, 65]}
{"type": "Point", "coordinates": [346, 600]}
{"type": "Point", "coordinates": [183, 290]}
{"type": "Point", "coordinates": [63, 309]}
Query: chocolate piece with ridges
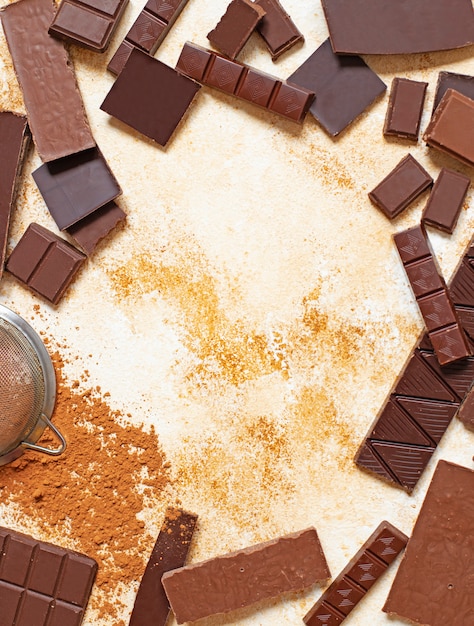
{"type": "Point", "coordinates": [369, 460]}
{"type": "Point", "coordinates": [241, 578]}
{"type": "Point", "coordinates": [433, 417]}
{"type": "Point", "coordinates": [277, 29]}
{"type": "Point", "coordinates": [458, 375]}
{"type": "Point", "coordinates": [420, 381]}
{"type": "Point", "coordinates": [362, 571]}
{"type": "Point", "coordinates": [450, 80]}
{"type": "Point", "coordinates": [405, 108]}
{"type": "Point", "coordinates": [235, 27]}
{"type": "Point", "coordinates": [446, 200]}
{"type": "Point", "coordinates": [90, 231]}
{"type": "Point", "coordinates": [406, 462]}
{"type": "Point", "coordinates": [395, 425]}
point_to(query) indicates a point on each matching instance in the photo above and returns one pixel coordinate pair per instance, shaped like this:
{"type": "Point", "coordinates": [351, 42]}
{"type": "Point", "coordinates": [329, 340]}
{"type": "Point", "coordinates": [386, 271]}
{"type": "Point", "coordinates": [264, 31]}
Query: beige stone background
{"type": "Point", "coordinates": [254, 309]}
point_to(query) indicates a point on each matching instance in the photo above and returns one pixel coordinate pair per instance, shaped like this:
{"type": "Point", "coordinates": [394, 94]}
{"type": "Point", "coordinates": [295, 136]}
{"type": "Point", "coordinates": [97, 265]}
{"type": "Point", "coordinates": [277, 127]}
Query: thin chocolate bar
{"type": "Point", "coordinates": [90, 231]}
{"type": "Point", "coordinates": [241, 578]}
{"type": "Point", "coordinates": [42, 584]}
{"type": "Point", "coordinates": [75, 186]}
{"type": "Point", "coordinates": [54, 105]}
{"type": "Point", "coordinates": [433, 584]}
{"type": "Point", "coordinates": [405, 108]}
{"type": "Point", "coordinates": [450, 80]}
{"type": "Point", "coordinates": [245, 82]}
{"type": "Point", "coordinates": [356, 579]}
{"type": "Point", "coordinates": [277, 29]}
{"type": "Point", "coordinates": [148, 31]}
{"type": "Point", "coordinates": [387, 27]}
{"type": "Point", "coordinates": [235, 27]}
{"type": "Point", "coordinates": [150, 96]}
{"type": "Point", "coordinates": [345, 87]}
{"type": "Point", "coordinates": [400, 187]}
{"type": "Point", "coordinates": [170, 551]}
{"type": "Point", "coordinates": [44, 262]}
{"type": "Point", "coordinates": [88, 23]}
{"type": "Point", "coordinates": [446, 199]}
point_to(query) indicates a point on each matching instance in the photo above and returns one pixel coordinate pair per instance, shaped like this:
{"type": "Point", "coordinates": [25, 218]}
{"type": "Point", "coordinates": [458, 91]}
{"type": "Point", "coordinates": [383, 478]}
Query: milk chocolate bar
{"type": "Point", "coordinates": [241, 578]}
{"type": "Point", "coordinates": [446, 199]}
{"type": "Point", "coordinates": [450, 80]}
{"type": "Point", "coordinates": [90, 231]}
{"type": "Point", "coordinates": [277, 29]}
{"type": "Point", "coordinates": [42, 584]}
{"type": "Point", "coordinates": [363, 570]}
{"type": "Point", "coordinates": [235, 27]}
{"type": "Point", "coordinates": [405, 108]}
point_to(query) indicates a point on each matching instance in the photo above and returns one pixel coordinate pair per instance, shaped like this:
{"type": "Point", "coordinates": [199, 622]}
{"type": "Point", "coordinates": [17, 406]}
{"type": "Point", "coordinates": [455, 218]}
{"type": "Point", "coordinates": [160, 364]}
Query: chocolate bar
{"type": "Point", "coordinates": [241, 578]}
{"type": "Point", "coordinates": [386, 27]}
{"type": "Point", "coordinates": [170, 551]}
{"type": "Point", "coordinates": [433, 584]}
{"type": "Point", "coordinates": [45, 263]}
{"type": "Point", "coordinates": [450, 80]}
{"type": "Point", "coordinates": [235, 27]}
{"type": "Point", "coordinates": [14, 139]}
{"type": "Point", "coordinates": [54, 105]}
{"type": "Point", "coordinates": [345, 87]}
{"type": "Point", "coordinates": [244, 82]}
{"type": "Point", "coordinates": [90, 231]}
{"type": "Point", "coordinates": [42, 584]}
{"type": "Point", "coordinates": [400, 187]}
{"type": "Point", "coordinates": [446, 200]}
{"type": "Point", "coordinates": [150, 96]}
{"type": "Point", "coordinates": [88, 23]}
{"type": "Point", "coordinates": [148, 31]}
{"type": "Point", "coordinates": [277, 29]}
{"type": "Point", "coordinates": [405, 108]}
{"type": "Point", "coordinates": [363, 570]}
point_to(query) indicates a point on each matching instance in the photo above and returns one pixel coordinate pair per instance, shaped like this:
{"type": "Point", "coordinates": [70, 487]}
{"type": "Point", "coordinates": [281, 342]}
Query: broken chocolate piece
{"type": "Point", "coordinates": [450, 80]}
{"type": "Point", "coordinates": [446, 200]}
{"type": "Point", "coordinates": [235, 27]}
{"type": "Point", "coordinates": [466, 412]}
{"type": "Point", "coordinates": [90, 231]}
{"type": "Point", "coordinates": [277, 29]}
{"type": "Point", "coordinates": [405, 108]}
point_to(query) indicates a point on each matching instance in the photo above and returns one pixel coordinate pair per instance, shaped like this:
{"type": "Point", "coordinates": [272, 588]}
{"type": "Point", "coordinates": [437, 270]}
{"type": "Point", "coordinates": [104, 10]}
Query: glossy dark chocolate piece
{"type": "Point", "coordinates": [450, 80]}
{"type": "Point", "coordinates": [355, 580]}
{"type": "Point", "coordinates": [401, 187]}
{"type": "Point", "coordinates": [345, 87]}
{"type": "Point", "coordinates": [90, 231]}
{"type": "Point", "coordinates": [247, 83]}
{"type": "Point", "coordinates": [387, 27]}
{"type": "Point", "coordinates": [170, 551]}
{"type": "Point", "coordinates": [277, 29]}
{"type": "Point", "coordinates": [88, 23]}
{"type": "Point", "coordinates": [446, 199]}
{"type": "Point", "coordinates": [405, 108]}
{"type": "Point", "coordinates": [235, 27]}
{"type": "Point", "coordinates": [433, 584]}
{"type": "Point", "coordinates": [42, 584]}
{"type": "Point", "coordinates": [241, 578]}
{"type": "Point", "coordinates": [45, 263]}
{"type": "Point", "coordinates": [54, 105]}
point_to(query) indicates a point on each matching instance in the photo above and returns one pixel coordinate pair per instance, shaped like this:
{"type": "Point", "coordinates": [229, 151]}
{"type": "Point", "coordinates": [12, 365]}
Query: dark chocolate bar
{"type": "Point", "coordinates": [247, 83]}
{"type": "Point", "coordinates": [363, 570]}
{"type": "Point", "coordinates": [235, 27]}
{"type": "Point", "coordinates": [45, 263]}
{"type": "Point", "coordinates": [241, 578]}
{"type": "Point", "coordinates": [90, 231]}
{"type": "Point", "coordinates": [400, 187]}
{"type": "Point", "coordinates": [277, 29]}
{"type": "Point", "coordinates": [446, 200]}
{"type": "Point", "coordinates": [42, 584]}
{"type": "Point", "coordinates": [405, 108]}
{"type": "Point", "coordinates": [88, 23]}
{"type": "Point", "coordinates": [450, 80]}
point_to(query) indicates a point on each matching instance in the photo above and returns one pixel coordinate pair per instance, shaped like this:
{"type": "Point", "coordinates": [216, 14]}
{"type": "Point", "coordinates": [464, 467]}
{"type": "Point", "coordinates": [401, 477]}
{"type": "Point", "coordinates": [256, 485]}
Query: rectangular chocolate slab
{"type": "Point", "coordinates": [42, 584]}
{"type": "Point", "coordinates": [433, 585]}
{"type": "Point", "coordinates": [446, 199]}
{"type": "Point", "coordinates": [241, 578]}
{"type": "Point", "coordinates": [277, 29]}
{"type": "Point", "coordinates": [90, 231]}
{"type": "Point", "coordinates": [356, 579]}
{"type": "Point", "coordinates": [53, 103]}
{"type": "Point", "coordinates": [235, 27]}
{"type": "Point", "coordinates": [450, 80]}
{"type": "Point", "coordinates": [405, 108]}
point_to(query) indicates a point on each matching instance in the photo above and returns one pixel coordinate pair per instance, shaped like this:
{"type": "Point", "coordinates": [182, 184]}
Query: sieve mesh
{"type": "Point", "coordinates": [22, 387]}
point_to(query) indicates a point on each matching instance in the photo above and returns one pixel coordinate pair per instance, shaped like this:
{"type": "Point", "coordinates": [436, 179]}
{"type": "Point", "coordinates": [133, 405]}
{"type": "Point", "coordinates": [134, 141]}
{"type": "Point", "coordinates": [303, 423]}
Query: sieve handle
{"type": "Point", "coordinates": [51, 451]}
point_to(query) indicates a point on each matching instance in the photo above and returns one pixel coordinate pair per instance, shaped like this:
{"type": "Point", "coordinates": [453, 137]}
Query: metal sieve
{"type": "Point", "coordinates": [27, 389]}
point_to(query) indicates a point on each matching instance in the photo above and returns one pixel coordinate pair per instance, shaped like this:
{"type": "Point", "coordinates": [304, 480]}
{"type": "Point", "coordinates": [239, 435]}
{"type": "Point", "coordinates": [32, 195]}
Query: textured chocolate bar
{"type": "Point", "coordinates": [171, 549]}
{"type": "Point", "coordinates": [54, 105]}
{"type": "Point", "coordinates": [239, 579]}
{"type": "Point", "coordinates": [90, 231]}
{"type": "Point", "coordinates": [450, 80]}
{"type": "Point", "coordinates": [277, 29]}
{"type": "Point", "coordinates": [401, 187]}
{"type": "Point", "coordinates": [363, 570]}
{"type": "Point", "coordinates": [42, 584]}
{"type": "Point", "coordinates": [235, 27]}
{"type": "Point", "coordinates": [433, 584]}
{"type": "Point", "coordinates": [446, 200]}
{"type": "Point", "coordinates": [405, 108]}
{"type": "Point", "coordinates": [247, 83]}
{"type": "Point", "coordinates": [44, 262]}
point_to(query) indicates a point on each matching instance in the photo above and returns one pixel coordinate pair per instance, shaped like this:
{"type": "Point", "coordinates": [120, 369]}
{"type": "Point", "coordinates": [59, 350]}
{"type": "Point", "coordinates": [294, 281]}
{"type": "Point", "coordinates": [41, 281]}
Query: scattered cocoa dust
{"type": "Point", "coordinates": [93, 493]}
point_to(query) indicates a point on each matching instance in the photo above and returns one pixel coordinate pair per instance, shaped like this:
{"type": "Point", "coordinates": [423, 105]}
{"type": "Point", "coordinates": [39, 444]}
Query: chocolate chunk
{"type": "Point", "coordinates": [247, 83]}
{"type": "Point", "coordinates": [385, 27]}
{"type": "Point", "coordinates": [54, 105]}
{"type": "Point", "coordinates": [433, 584]}
{"type": "Point", "coordinates": [345, 87]}
{"type": "Point", "coordinates": [170, 551]}
{"type": "Point", "coordinates": [235, 27]}
{"type": "Point", "coordinates": [150, 96]}
{"type": "Point", "coordinates": [44, 262]}
{"type": "Point", "coordinates": [88, 23]}
{"type": "Point", "coordinates": [42, 584]}
{"type": "Point", "coordinates": [90, 231]}
{"type": "Point", "coordinates": [466, 412]}
{"type": "Point", "coordinates": [277, 29]}
{"type": "Point", "coordinates": [446, 200]}
{"type": "Point", "coordinates": [241, 578]}
{"type": "Point", "coordinates": [450, 80]}
{"type": "Point", "coordinates": [405, 108]}
{"type": "Point", "coordinates": [401, 187]}
{"type": "Point", "coordinates": [148, 31]}
{"type": "Point", "coordinates": [362, 571]}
